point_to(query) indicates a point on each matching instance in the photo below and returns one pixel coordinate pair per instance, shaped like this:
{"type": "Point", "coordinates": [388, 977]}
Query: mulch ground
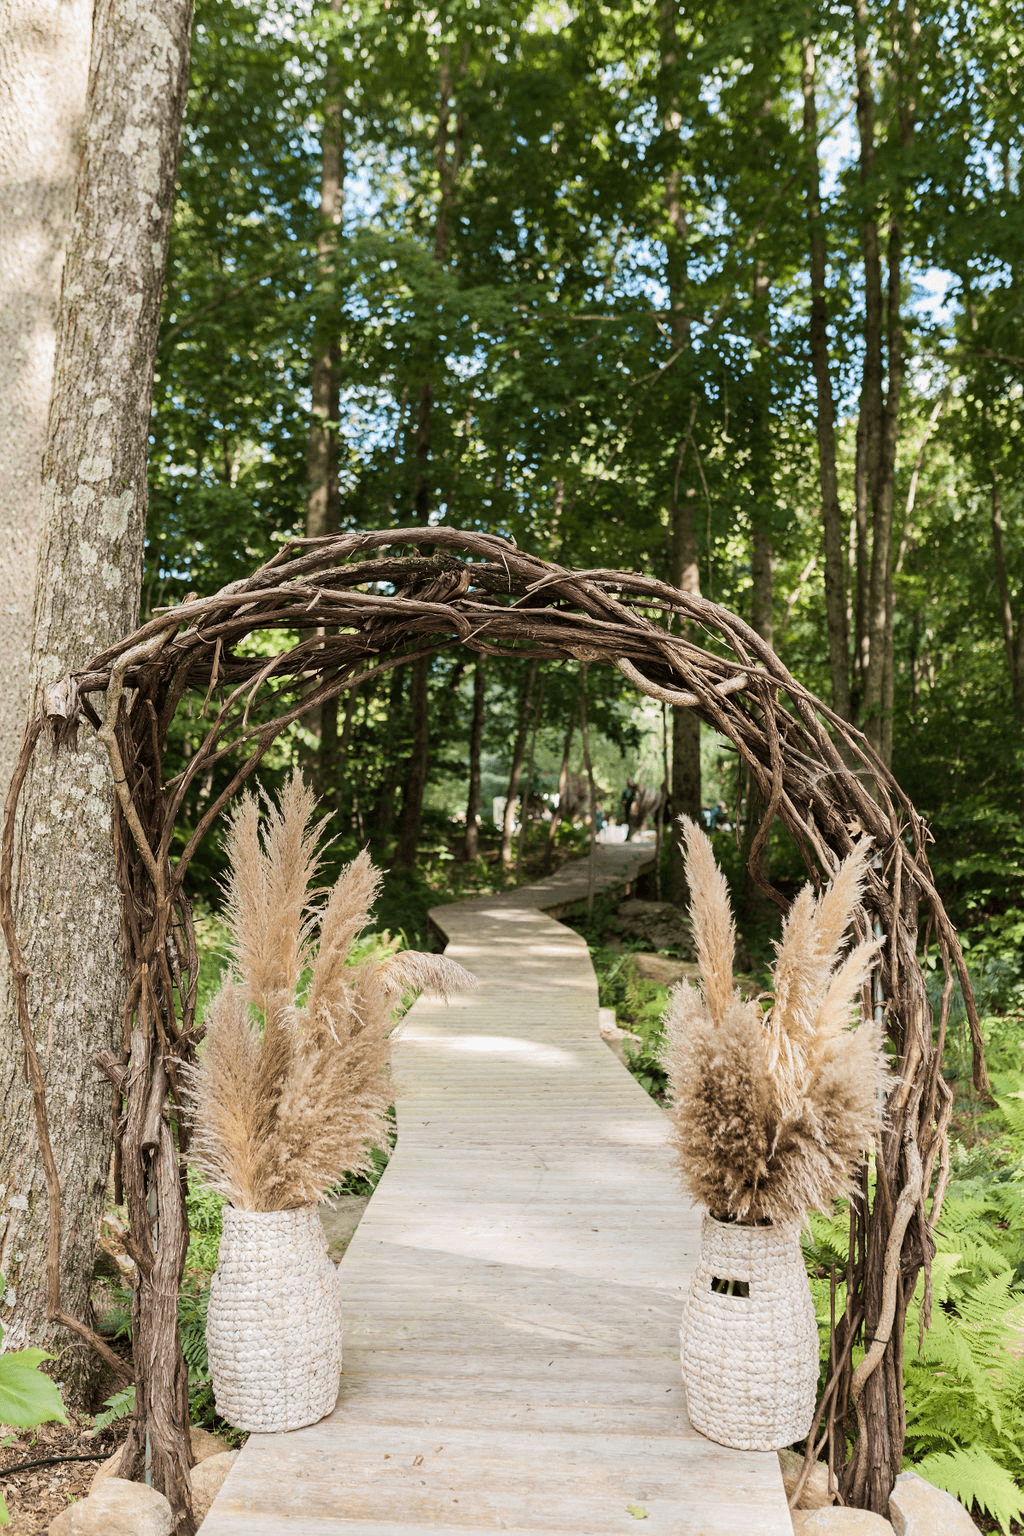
{"type": "Point", "coordinates": [36, 1496]}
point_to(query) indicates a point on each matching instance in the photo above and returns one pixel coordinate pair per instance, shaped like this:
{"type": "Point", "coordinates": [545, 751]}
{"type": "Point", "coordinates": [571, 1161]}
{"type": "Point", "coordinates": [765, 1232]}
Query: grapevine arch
{"type": "Point", "coordinates": [362, 604]}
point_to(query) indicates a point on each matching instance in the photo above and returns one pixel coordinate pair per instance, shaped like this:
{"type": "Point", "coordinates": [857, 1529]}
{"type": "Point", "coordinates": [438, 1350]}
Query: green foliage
{"type": "Point", "coordinates": [120, 1405]}
{"type": "Point", "coordinates": [27, 1397]}
{"type": "Point", "coordinates": [639, 1006]}
{"type": "Point", "coordinates": [964, 1377]}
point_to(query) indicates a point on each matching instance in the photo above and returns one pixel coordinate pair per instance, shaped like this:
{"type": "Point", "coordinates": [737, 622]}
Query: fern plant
{"type": "Point", "coordinates": [964, 1382]}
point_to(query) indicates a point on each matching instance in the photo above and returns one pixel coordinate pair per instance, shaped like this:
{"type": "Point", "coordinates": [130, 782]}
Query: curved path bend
{"type": "Point", "coordinates": [513, 1292]}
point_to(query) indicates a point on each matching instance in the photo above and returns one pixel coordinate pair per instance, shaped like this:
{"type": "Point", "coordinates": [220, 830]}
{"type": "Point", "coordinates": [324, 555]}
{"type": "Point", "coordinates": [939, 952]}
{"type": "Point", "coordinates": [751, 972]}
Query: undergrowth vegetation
{"type": "Point", "coordinates": [964, 1379]}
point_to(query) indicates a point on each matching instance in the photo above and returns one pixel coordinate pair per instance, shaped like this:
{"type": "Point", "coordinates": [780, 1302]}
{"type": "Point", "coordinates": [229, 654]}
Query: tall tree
{"type": "Point", "coordinates": [825, 418]}
{"type": "Point", "coordinates": [682, 532]}
{"type": "Point", "coordinates": [87, 594]}
{"type": "Point", "coordinates": [323, 503]}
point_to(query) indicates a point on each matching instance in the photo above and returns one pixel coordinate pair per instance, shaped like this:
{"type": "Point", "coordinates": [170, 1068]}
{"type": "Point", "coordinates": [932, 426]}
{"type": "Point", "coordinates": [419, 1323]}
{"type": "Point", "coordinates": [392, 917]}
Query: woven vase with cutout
{"type": "Point", "coordinates": [273, 1329]}
{"type": "Point", "coordinates": [749, 1339]}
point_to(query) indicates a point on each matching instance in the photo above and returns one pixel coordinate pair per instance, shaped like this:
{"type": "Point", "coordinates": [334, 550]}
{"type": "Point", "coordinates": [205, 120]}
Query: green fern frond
{"type": "Point", "coordinates": [974, 1477]}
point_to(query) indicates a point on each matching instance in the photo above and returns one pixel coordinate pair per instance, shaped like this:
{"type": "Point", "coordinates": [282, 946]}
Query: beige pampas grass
{"type": "Point", "coordinates": [771, 1112]}
{"type": "Point", "coordinates": [292, 1093]}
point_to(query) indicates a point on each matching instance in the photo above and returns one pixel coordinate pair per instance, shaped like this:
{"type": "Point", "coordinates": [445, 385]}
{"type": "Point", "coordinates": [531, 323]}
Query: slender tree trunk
{"type": "Point", "coordinates": [563, 784]}
{"type": "Point", "coordinates": [831, 511]}
{"type": "Point", "coordinates": [344, 743]}
{"type": "Point", "coordinates": [880, 416]}
{"type": "Point", "coordinates": [870, 419]}
{"type": "Point", "coordinates": [323, 507]}
{"type": "Point", "coordinates": [322, 503]}
{"type": "Point", "coordinates": [1012, 633]}
{"type": "Point", "coordinates": [416, 778]}
{"type": "Point", "coordinates": [44, 74]}
{"type": "Point", "coordinates": [471, 844]}
{"type": "Point", "coordinates": [762, 566]}
{"type": "Point", "coordinates": [685, 572]}
{"type": "Point", "coordinates": [448, 157]}
{"type": "Point", "coordinates": [518, 752]}
{"type": "Point", "coordinates": [525, 815]}
{"type": "Point", "coordinates": [94, 508]}
{"type": "Point", "coordinates": [761, 621]}
{"type": "Point", "coordinates": [591, 791]}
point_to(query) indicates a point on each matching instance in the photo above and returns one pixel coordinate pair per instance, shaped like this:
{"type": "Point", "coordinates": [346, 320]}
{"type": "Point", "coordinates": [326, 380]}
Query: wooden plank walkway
{"type": "Point", "coordinates": [513, 1292]}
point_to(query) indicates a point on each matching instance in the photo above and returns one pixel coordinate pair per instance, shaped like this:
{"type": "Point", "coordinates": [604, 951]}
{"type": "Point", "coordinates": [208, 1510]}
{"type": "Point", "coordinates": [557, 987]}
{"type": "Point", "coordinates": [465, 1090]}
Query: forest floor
{"type": "Point", "coordinates": [37, 1496]}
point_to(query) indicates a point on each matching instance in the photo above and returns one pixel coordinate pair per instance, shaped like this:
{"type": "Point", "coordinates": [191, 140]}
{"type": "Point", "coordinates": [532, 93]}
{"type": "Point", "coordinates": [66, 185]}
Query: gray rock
{"type": "Point", "coordinates": [116, 1508]}
{"type": "Point", "coordinates": [662, 969]}
{"type": "Point", "coordinates": [918, 1508]}
{"type": "Point", "coordinates": [815, 1494]}
{"type": "Point", "coordinates": [657, 923]}
{"type": "Point", "coordinates": [203, 1445]}
{"type": "Point", "coordinates": [839, 1522]}
{"type": "Point", "coordinates": [207, 1479]}
{"type": "Point", "coordinates": [616, 1039]}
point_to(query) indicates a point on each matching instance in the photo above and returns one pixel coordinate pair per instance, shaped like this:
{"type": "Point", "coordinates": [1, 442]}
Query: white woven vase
{"type": "Point", "coordinates": [273, 1329]}
{"type": "Point", "coordinates": [750, 1362]}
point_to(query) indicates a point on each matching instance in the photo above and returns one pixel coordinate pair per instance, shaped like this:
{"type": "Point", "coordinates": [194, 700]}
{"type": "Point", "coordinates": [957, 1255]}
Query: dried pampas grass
{"type": "Point", "coordinates": [291, 1093]}
{"type": "Point", "coordinates": [772, 1111]}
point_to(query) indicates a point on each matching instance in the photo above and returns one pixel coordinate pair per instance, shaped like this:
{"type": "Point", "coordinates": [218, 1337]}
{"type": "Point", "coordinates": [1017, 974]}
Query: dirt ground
{"type": "Point", "coordinates": [37, 1496]}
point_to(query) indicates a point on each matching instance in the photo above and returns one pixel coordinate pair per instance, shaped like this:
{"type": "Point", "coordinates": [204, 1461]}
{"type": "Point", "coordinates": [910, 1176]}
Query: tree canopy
{"type": "Point", "coordinates": [611, 278]}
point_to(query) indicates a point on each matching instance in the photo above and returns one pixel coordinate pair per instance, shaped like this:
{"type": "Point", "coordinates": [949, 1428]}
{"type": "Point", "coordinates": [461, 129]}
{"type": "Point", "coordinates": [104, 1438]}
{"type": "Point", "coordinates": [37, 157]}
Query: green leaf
{"type": "Point", "coordinates": [5, 1518]}
{"type": "Point", "coordinates": [971, 1475]}
{"type": "Point", "coordinates": [26, 1396]}
{"type": "Point", "coordinates": [637, 1511]}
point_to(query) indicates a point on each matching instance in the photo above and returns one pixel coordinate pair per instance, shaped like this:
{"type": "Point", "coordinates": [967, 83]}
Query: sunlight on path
{"type": "Point", "coordinates": [512, 1295]}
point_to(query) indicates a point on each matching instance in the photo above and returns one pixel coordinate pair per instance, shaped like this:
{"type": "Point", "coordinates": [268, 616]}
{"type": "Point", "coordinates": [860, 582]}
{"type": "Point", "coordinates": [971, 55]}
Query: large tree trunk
{"type": "Point", "coordinates": [44, 73]}
{"type": "Point", "coordinates": [831, 512]}
{"type": "Point", "coordinates": [94, 509]}
{"type": "Point", "coordinates": [471, 843]}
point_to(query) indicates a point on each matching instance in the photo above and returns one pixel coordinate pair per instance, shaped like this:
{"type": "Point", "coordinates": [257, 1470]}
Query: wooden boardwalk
{"type": "Point", "coordinates": [513, 1292]}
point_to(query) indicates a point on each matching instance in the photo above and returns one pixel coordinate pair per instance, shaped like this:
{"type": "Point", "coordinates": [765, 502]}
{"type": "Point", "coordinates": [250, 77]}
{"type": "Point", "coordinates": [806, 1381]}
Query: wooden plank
{"type": "Point", "coordinates": [512, 1295]}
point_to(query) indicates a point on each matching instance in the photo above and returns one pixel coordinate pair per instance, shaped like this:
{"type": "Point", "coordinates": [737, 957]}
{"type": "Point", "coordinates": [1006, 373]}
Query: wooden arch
{"type": "Point", "coordinates": [360, 608]}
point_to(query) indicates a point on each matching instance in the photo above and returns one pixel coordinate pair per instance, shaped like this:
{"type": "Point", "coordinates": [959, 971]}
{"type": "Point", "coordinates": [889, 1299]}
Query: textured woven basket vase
{"type": "Point", "coordinates": [750, 1362]}
{"type": "Point", "coordinates": [273, 1329]}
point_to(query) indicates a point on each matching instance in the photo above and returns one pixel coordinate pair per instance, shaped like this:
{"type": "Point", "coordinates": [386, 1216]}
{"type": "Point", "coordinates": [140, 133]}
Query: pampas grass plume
{"type": "Point", "coordinates": [290, 1094]}
{"type": "Point", "coordinates": [770, 1113]}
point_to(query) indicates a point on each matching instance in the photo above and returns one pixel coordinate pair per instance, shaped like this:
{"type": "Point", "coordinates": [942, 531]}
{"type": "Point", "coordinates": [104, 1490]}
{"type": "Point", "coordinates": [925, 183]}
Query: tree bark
{"type": "Point", "coordinates": [323, 504]}
{"type": "Point", "coordinates": [419, 763]}
{"type": "Point", "coordinates": [591, 789]}
{"type": "Point", "coordinates": [761, 570]}
{"type": "Point", "coordinates": [518, 752]}
{"type": "Point", "coordinates": [878, 428]}
{"type": "Point", "coordinates": [525, 817]}
{"type": "Point", "coordinates": [471, 842]}
{"type": "Point", "coordinates": [87, 595]}
{"type": "Point", "coordinates": [448, 156]}
{"type": "Point", "coordinates": [44, 74]}
{"type": "Point", "coordinates": [563, 783]}
{"type": "Point", "coordinates": [1013, 633]}
{"type": "Point", "coordinates": [870, 418]}
{"type": "Point", "coordinates": [831, 511]}
{"type": "Point", "coordinates": [683, 555]}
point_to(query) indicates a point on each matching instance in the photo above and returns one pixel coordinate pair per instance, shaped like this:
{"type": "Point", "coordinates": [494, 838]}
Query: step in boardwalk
{"type": "Point", "coordinates": [513, 1292]}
